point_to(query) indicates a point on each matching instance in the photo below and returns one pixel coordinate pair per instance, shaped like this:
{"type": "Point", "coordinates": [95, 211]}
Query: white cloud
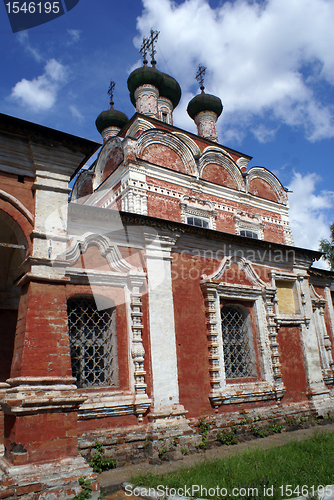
{"type": "Point", "coordinates": [263, 134]}
{"type": "Point", "coordinates": [76, 113]}
{"type": "Point", "coordinates": [23, 38]}
{"type": "Point", "coordinates": [40, 93]}
{"type": "Point", "coordinates": [309, 212]}
{"type": "Point", "coordinates": [264, 59]}
{"type": "Point", "coordinates": [75, 35]}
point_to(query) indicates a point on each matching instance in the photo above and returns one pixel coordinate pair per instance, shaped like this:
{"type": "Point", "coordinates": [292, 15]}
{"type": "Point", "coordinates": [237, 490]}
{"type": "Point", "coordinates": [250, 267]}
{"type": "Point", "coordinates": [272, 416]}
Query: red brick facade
{"type": "Point", "coordinates": [169, 246]}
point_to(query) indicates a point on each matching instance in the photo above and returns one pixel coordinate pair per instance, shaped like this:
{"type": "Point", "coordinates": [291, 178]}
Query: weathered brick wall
{"type": "Point", "coordinates": [41, 343]}
{"type": "Point", "coordinates": [40, 438]}
{"type": "Point", "coordinates": [12, 184]}
{"type": "Point", "coordinates": [164, 156]}
{"type": "Point", "coordinates": [261, 188]}
{"type": "Point", "coordinates": [163, 204]}
{"type": "Point", "coordinates": [190, 332]}
{"type": "Point", "coordinates": [292, 364]}
{"type": "Point", "coordinates": [218, 175]}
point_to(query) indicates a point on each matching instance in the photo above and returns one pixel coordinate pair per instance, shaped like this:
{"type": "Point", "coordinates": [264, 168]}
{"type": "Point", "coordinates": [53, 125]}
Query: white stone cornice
{"type": "Point", "coordinates": [242, 162]}
{"type": "Point", "coordinates": [317, 300]}
{"type": "Point", "coordinates": [208, 188]}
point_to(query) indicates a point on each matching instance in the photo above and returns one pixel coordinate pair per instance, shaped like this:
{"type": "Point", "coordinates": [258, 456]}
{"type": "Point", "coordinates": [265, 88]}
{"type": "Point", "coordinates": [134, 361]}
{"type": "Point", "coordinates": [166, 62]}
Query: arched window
{"type": "Point", "coordinates": [93, 343]}
{"type": "Point", "coordinates": [238, 344]}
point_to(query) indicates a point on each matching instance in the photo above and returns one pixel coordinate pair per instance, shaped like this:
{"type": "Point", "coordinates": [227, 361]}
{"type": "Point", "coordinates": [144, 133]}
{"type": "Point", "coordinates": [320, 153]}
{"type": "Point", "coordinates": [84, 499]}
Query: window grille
{"type": "Point", "coordinates": [93, 343]}
{"type": "Point", "coordinates": [237, 342]}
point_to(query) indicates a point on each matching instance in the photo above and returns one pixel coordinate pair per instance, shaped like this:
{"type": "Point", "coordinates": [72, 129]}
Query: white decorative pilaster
{"type": "Point", "coordinates": [325, 346]}
{"type": "Point", "coordinates": [318, 392]}
{"type": "Point", "coordinates": [162, 326]}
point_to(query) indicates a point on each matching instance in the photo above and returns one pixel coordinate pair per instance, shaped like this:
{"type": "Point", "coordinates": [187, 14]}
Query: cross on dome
{"type": "Point", "coordinates": [111, 92]}
{"type": "Point", "coordinates": [148, 45]}
{"type": "Point", "coordinates": [200, 76]}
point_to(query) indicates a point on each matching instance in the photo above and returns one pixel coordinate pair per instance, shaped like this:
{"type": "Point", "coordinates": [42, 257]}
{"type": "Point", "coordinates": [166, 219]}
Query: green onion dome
{"type": "Point", "coordinates": [170, 89]}
{"type": "Point", "coordinates": [204, 102]}
{"type": "Point", "coordinates": [166, 84]}
{"type": "Point", "coordinates": [110, 118]}
{"type": "Point", "coordinates": [141, 76]}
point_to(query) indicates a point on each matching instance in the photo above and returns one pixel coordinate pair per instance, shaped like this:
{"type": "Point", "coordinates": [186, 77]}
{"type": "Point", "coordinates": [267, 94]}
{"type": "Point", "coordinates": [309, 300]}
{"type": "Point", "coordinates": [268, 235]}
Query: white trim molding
{"type": "Point", "coordinates": [245, 221]}
{"type": "Point", "coordinates": [196, 207]}
{"type": "Point", "coordinates": [215, 289]}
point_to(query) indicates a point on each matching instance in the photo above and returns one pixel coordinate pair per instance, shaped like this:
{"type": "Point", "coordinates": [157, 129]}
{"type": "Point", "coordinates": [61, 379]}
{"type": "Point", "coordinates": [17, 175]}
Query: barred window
{"type": "Point", "coordinates": [238, 342]}
{"type": "Point", "coordinates": [93, 343]}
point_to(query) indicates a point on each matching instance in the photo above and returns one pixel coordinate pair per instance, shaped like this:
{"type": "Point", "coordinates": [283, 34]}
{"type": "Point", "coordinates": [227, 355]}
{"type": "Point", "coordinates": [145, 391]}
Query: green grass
{"type": "Point", "coordinates": [308, 462]}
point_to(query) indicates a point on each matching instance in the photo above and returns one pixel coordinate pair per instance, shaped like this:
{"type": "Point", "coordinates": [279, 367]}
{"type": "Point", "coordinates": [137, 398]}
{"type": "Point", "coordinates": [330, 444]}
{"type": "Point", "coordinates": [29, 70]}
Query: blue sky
{"type": "Point", "coordinates": [271, 62]}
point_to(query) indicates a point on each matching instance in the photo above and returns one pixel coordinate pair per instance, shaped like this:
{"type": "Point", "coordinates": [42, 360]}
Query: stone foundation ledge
{"type": "Point", "coordinates": [56, 480]}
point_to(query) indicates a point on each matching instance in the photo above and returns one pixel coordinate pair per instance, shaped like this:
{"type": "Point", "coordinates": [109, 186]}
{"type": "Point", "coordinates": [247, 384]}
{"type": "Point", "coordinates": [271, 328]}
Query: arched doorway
{"type": "Point", "coordinates": [13, 248]}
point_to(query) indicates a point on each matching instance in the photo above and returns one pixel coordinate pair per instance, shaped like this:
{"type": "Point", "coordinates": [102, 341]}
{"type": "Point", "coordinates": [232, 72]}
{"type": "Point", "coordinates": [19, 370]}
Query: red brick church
{"type": "Point", "coordinates": [166, 290]}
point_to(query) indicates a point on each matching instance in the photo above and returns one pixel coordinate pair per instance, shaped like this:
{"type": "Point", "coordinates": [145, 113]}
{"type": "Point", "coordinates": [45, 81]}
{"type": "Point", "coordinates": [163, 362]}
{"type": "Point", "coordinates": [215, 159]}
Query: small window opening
{"type": "Point", "coordinates": [197, 221]}
{"type": "Point", "coordinates": [164, 117]}
{"type": "Point", "coordinates": [20, 178]}
{"type": "Point", "coordinates": [249, 234]}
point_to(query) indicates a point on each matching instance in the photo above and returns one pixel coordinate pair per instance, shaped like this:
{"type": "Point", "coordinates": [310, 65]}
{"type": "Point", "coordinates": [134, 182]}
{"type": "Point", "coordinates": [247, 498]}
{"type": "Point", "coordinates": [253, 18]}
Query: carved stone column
{"type": "Point", "coordinates": [210, 300]}
{"type": "Point", "coordinates": [142, 402]}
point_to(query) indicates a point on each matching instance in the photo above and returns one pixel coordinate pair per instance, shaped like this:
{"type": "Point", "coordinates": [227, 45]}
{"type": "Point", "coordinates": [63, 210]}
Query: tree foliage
{"type": "Point", "coordinates": [328, 248]}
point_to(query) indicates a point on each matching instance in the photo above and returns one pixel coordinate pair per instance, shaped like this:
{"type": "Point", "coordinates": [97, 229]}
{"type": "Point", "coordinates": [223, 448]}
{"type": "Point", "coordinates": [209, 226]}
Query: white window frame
{"type": "Point", "coordinates": [202, 219]}
{"type": "Point", "coordinates": [248, 222]}
{"type": "Point", "coordinates": [201, 209]}
{"type": "Point", "coordinates": [270, 386]}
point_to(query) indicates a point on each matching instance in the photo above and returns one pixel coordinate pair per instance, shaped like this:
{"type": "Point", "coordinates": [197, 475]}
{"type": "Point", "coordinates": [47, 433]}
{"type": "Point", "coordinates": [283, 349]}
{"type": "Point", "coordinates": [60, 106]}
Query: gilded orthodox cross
{"type": "Point", "coordinates": [200, 76]}
{"type": "Point", "coordinates": [111, 92]}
